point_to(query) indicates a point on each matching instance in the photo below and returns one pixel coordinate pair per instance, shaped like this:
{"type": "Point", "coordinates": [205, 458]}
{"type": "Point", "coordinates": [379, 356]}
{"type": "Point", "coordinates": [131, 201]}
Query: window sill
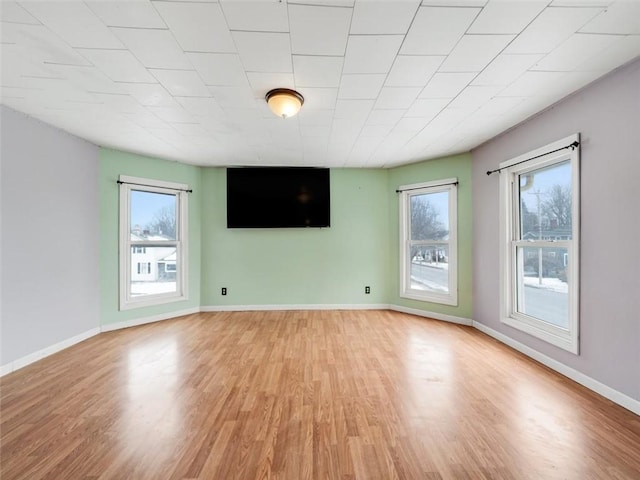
{"type": "Point", "coordinates": [153, 301]}
{"type": "Point", "coordinates": [430, 298]}
{"type": "Point", "coordinates": [565, 342]}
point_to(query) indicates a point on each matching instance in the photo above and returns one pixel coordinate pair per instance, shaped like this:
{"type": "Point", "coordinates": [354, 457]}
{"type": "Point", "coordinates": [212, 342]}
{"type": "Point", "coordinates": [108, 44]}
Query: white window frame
{"type": "Point", "coordinates": [125, 247]}
{"type": "Point", "coordinates": [406, 192]}
{"type": "Point", "coordinates": [567, 339]}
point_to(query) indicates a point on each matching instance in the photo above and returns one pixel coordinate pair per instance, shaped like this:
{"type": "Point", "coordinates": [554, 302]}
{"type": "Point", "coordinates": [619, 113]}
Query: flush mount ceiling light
{"type": "Point", "coordinates": [284, 102]}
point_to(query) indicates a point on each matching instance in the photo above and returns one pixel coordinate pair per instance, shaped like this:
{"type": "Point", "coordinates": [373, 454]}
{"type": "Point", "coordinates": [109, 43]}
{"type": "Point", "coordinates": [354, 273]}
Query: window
{"type": "Point", "coordinates": [144, 268]}
{"type": "Point", "coordinates": [153, 234]}
{"type": "Point", "coordinates": [539, 243]}
{"type": "Point", "coordinates": [428, 226]}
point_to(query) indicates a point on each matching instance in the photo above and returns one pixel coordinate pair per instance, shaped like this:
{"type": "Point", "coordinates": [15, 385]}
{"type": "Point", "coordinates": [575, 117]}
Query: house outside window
{"type": "Point", "coordinates": [540, 198]}
{"type": "Point", "coordinates": [153, 235]}
{"type": "Point", "coordinates": [428, 239]}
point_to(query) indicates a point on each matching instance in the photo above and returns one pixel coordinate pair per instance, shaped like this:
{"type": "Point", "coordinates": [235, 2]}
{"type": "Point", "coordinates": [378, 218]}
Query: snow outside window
{"type": "Point", "coordinates": [153, 241]}
{"type": "Point", "coordinates": [539, 246]}
{"type": "Point", "coordinates": [428, 231]}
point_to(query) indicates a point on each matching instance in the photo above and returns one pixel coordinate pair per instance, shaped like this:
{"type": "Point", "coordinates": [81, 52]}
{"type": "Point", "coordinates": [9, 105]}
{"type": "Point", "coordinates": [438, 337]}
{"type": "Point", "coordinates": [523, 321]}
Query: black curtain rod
{"type": "Point", "coordinates": [155, 186]}
{"type": "Point", "coordinates": [429, 186]}
{"type": "Point", "coordinates": [572, 146]}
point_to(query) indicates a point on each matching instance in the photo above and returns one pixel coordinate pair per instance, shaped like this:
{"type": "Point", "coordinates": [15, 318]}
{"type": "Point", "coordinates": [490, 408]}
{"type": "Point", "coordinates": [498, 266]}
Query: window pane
{"type": "Point", "coordinates": [543, 291]}
{"type": "Point", "coordinates": [430, 216]}
{"type": "Point", "coordinates": [153, 216]}
{"type": "Point", "coordinates": [430, 268]}
{"type": "Point", "coordinates": [154, 271]}
{"type": "Point", "coordinates": [545, 203]}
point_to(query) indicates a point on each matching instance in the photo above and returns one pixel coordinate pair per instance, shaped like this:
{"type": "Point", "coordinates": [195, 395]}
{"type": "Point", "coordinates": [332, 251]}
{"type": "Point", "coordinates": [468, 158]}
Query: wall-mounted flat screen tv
{"type": "Point", "coordinates": [277, 197]}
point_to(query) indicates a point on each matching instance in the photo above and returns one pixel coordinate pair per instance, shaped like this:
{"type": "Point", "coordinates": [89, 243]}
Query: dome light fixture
{"type": "Point", "coordinates": [284, 102]}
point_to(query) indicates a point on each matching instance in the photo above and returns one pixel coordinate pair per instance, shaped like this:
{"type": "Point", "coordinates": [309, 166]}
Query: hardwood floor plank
{"type": "Point", "coordinates": [306, 395]}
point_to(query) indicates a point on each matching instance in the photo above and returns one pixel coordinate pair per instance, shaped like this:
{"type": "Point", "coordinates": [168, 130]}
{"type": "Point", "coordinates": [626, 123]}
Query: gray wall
{"type": "Point", "coordinates": [607, 115]}
{"type": "Point", "coordinates": [49, 236]}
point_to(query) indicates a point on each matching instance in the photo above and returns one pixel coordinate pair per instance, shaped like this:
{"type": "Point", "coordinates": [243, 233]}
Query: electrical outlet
{"type": "Point", "coordinates": [224, 290]}
{"type": "Point", "coordinates": [367, 290]}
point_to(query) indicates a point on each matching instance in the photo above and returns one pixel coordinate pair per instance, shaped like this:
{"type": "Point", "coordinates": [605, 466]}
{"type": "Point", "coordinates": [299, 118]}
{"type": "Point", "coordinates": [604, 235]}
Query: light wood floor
{"type": "Point", "coordinates": [306, 395]}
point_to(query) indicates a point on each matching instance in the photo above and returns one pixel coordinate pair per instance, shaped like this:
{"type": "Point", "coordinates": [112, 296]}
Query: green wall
{"type": "Point", "coordinates": [458, 166]}
{"type": "Point", "coordinates": [113, 164]}
{"type": "Point", "coordinates": [329, 266]}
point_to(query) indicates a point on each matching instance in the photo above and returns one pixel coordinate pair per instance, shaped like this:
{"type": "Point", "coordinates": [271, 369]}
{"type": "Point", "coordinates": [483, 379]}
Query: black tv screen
{"type": "Point", "coordinates": [277, 197]}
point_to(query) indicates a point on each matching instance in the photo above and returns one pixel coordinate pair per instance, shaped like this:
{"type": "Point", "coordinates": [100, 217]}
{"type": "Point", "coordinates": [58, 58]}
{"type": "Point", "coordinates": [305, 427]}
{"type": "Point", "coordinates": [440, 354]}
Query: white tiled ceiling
{"type": "Point", "coordinates": [386, 82]}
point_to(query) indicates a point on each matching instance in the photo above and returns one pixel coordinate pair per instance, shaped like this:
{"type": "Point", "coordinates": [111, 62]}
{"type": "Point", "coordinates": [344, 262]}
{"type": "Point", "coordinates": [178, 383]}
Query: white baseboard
{"type": "Point", "coordinates": [45, 352]}
{"type": "Point", "coordinates": [579, 377]}
{"type": "Point", "coordinates": [154, 318]}
{"type": "Point", "coordinates": [434, 315]}
{"type": "Point", "coordinates": [321, 306]}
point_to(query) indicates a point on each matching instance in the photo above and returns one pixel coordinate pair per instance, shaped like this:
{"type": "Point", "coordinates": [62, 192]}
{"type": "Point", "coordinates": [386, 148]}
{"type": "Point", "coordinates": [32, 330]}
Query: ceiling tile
{"type": "Point", "coordinates": [427, 107]}
{"type": "Point", "coordinates": [74, 22]}
{"type": "Point", "coordinates": [119, 65]}
{"type": "Point", "coordinates": [172, 114]}
{"type": "Point", "coordinates": [315, 131]}
{"type": "Point", "coordinates": [622, 17]}
{"type": "Point", "coordinates": [550, 29]}
{"type": "Point", "coordinates": [362, 150]}
{"type": "Point", "coordinates": [363, 86]}
{"type": "Point", "coordinates": [354, 110]}
{"type": "Point", "coordinates": [135, 14]}
{"type": "Point", "coordinates": [446, 85]}
{"type": "Point", "coordinates": [243, 116]}
{"type": "Point", "coordinates": [198, 27]}
{"type": "Point", "coordinates": [15, 65]}
{"type": "Point", "coordinates": [319, 98]}
{"type": "Point", "coordinates": [385, 117]}
{"type": "Point", "coordinates": [219, 68]}
{"type": "Point", "coordinates": [436, 30]}
{"type": "Point", "coordinates": [39, 44]}
{"type": "Point", "coordinates": [264, 52]}
{"type": "Point", "coordinates": [397, 17]}
{"type": "Point", "coordinates": [397, 97]}
{"type": "Point", "coordinates": [332, 3]}
{"type": "Point", "coordinates": [581, 3]}
{"type": "Point", "coordinates": [506, 17]}
{"type": "Point", "coordinates": [474, 52]}
{"type": "Point", "coordinates": [622, 51]}
{"type": "Point", "coordinates": [256, 17]}
{"type": "Point", "coordinates": [261, 82]}
{"type": "Point", "coordinates": [11, 12]}
{"type": "Point", "coordinates": [454, 3]}
{"type": "Point", "coordinates": [312, 71]}
{"type": "Point", "coordinates": [146, 120]}
{"type": "Point", "coordinates": [376, 131]}
{"type": "Point", "coordinates": [201, 107]}
{"type": "Point", "coordinates": [154, 48]}
{"type": "Point", "coordinates": [575, 50]}
{"type": "Point", "coordinates": [309, 26]}
{"type": "Point", "coordinates": [87, 78]}
{"type": "Point", "coordinates": [120, 103]}
{"type": "Point", "coordinates": [413, 70]}
{"type": "Point", "coordinates": [181, 83]}
{"type": "Point", "coordinates": [371, 53]}
{"type": "Point", "coordinates": [497, 106]}
{"type": "Point", "coordinates": [234, 97]}
{"type": "Point", "coordinates": [474, 96]}
{"type": "Point", "coordinates": [505, 69]}
{"type": "Point", "coordinates": [532, 84]}
{"type": "Point", "coordinates": [315, 117]}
